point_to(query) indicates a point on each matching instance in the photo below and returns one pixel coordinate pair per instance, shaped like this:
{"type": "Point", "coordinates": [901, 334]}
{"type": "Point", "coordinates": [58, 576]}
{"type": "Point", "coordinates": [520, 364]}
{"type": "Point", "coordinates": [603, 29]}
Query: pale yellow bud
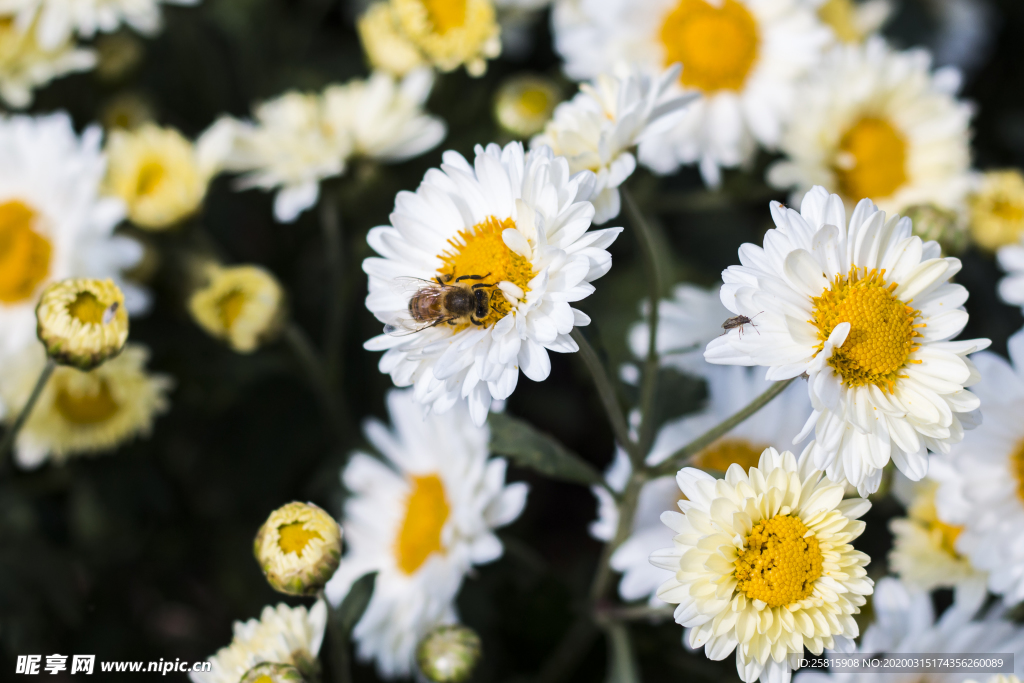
{"type": "Point", "coordinates": [241, 305]}
{"type": "Point", "coordinates": [269, 672]}
{"type": "Point", "coordinates": [942, 225]}
{"type": "Point", "coordinates": [448, 654]}
{"type": "Point", "coordinates": [298, 548]}
{"type": "Point", "coordinates": [82, 322]}
{"type": "Point", "coordinates": [524, 104]}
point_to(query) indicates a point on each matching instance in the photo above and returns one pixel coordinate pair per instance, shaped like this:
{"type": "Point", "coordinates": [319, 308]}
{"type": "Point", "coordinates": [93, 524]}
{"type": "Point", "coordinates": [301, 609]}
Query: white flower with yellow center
{"type": "Point", "coordinates": [878, 124]}
{"type": "Point", "coordinates": [515, 226]}
{"type": "Point", "coordinates": [451, 33]}
{"type": "Point", "coordinates": [598, 128]}
{"type": "Point", "coordinates": [83, 412]}
{"type": "Point", "coordinates": [729, 391]}
{"type": "Point", "coordinates": [867, 312]}
{"type": "Point", "coordinates": [282, 635]}
{"type": "Point", "coordinates": [56, 22]}
{"type": "Point", "coordinates": [982, 479]}
{"type": "Point", "coordinates": [763, 564]}
{"type": "Point", "coordinates": [387, 48]}
{"type": "Point", "coordinates": [25, 65]}
{"type": "Point", "coordinates": [743, 57]}
{"type": "Point", "coordinates": [906, 624]}
{"type": "Point", "coordinates": [422, 516]}
{"type": "Point", "coordinates": [53, 223]}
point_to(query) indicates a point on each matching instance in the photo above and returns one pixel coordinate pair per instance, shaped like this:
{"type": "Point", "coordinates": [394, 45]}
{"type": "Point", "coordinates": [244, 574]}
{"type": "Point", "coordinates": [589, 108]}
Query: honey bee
{"type": "Point", "coordinates": [435, 302]}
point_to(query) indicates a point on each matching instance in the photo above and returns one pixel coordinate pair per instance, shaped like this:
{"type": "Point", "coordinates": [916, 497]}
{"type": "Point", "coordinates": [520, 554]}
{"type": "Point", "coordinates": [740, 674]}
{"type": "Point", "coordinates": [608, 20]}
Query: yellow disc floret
{"type": "Point", "coordinates": [24, 253]}
{"type": "Point", "coordinates": [298, 548]}
{"type": "Point", "coordinates": [882, 328]}
{"type": "Point", "coordinates": [871, 161]}
{"type": "Point", "coordinates": [780, 562]}
{"type": "Point", "coordinates": [716, 44]}
{"type": "Point", "coordinates": [1017, 467]}
{"type": "Point", "coordinates": [724, 452]}
{"type": "Point", "coordinates": [482, 251]}
{"type": "Point", "coordinates": [294, 537]}
{"type": "Point", "coordinates": [426, 511]}
{"type": "Point", "coordinates": [450, 33]}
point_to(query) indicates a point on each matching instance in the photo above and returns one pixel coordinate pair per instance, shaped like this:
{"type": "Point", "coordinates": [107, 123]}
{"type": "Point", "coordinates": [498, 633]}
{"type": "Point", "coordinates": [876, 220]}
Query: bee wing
{"type": "Point", "coordinates": [407, 286]}
{"type": "Point", "coordinates": [402, 324]}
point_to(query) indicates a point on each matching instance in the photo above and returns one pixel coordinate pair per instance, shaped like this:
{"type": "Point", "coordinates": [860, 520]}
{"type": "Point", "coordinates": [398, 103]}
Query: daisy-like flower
{"type": "Point", "coordinates": [56, 22]}
{"type": "Point", "coordinates": [853, 21]}
{"type": "Point", "coordinates": [743, 56]}
{"type": "Point", "coordinates": [598, 128]}
{"type": "Point", "coordinates": [387, 48]}
{"type": "Point", "coordinates": [525, 103]}
{"type": "Point", "coordinates": [905, 622]}
{"type": "Point", "coordinates": [451, 33]}
{"type": "Point", "coordinates": [867, 312]}
{"type": "Point", "coordinates": [924, 554]}
{"type": "Point", "coordinates": [982, 478]}
{"type": "Point", "coordinates": [686, 324]}
{"type": "Point", "coordinates": [53, 223]}
{"type": "Point", "coordinates": [421, 517]}
{"type": "Point", "coordinates": [83, 412]}
{"type": "Point", "coordinates": [514, 227]}
{"type": "Point", "coordinates": [242, 305]}
{"type": "Point", "coordinates": [762, 564]}
{"type": "Point", "coordinates": [729, 391]}
{"type": "Point", "coordinates": [878, 124]}
{"type": "Point", "coordinates": [997, 209]}
{"type": "Point", "coordinates": [1011, 287]}
{"type": "Point", "coordinates": [25, 65]}
{"type": "Point", "coordinates": [282, 635]}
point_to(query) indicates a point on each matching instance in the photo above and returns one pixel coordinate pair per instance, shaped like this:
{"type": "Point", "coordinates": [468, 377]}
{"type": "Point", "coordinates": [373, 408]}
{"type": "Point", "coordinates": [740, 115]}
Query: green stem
{"type": "Point", "coordinates": [330, 224]}
{"type": "Point", "coordinates": [627, 509]}
{"type": "Point", "coordinates": [12, 431]}
{"type": "Point", "coordinates": [605, 391]}
{"type": "Point", "coordinates": [313, 368]}
{"type": "Point", "coordinates": [566, 657]}
{"type": "Point", "coordinates": [634, 613]}
{"type": "Point", "coordinates": [685, 455]}
{"type": "Point", "coordinates": [337, 644]}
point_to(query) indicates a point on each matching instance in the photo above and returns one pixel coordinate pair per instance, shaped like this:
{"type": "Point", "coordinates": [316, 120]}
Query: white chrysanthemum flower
{"type": "Point", "coordinates": [513, 225]}
{"type": "Point", "coordinates": [905, 623]}
{"type": "Point", "coordinates": [53, 222]}
{"type": "Point", "coordinates": [25, 65]}
{"type": "Point", "coordinates": [598, 128]}
{"type": "Point", "coordinates": [1011, 287]}
{"type": "Point", "coordinates": [686, 324]}
{"type": "Point", "coordinates": [866, 312]}
{"type": "Point", "coordinates": [743, 56]}
{"type": "Point", "coordinates": [763, 564]}
{"type": "Point", "coordinates": [282, 635]}
{"type": "Point", "coordinates": [982, 478]}
{"type": "Point", "coordinates": [730, 389]}
{"type": "Point", "coordinates": [924, 553]}
{"type": "Point", "coordinates": [57, 21]}
{"type": "Point", "coordinates": [878, 124]}
{"type": "Point", "coordinates": [421, 517]}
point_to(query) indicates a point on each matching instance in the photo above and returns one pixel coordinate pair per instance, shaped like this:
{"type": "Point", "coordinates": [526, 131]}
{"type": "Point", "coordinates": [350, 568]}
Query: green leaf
{"type": "Point", "coordinates": [354, 604]}
{"type": "Point", "coordinates": [528, 447]}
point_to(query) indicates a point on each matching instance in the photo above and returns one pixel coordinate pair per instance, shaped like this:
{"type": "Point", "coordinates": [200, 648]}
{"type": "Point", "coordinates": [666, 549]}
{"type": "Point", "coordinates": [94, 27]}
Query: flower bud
{"type": "Point", "coordinates": [268, 672]}
{"type": "Point", "coordinates": [82, 322]}
{"type": "Point", "coordinates": [298, 548]}
{"type": "Point", "coordinates": [242, 305]}
{"type": "Point", "coordinates": [942, 225]}
{"type": "Point", "coordinates": [524, 104]}
{"type": "Point", "coordinates": [448, 654]}
{"type": "Point", "coordinates": [996, 209]}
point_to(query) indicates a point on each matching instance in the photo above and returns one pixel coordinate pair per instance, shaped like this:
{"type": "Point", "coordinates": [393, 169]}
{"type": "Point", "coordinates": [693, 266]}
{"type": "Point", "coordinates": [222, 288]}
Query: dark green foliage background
{"type": "Point", "coordinates": [146, 553]}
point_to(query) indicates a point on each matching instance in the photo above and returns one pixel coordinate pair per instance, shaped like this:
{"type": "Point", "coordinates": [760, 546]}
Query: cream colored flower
{"type": "Point", "coordinates": [241, 305]}
{"type": "Point", "coordinates": [451, 33]}
{"type": "Point", "coordinates": [82, 322]}
{"type": "Point", "coordinates": [282, 635]}
{"type": "Point", "coordinates": [298, 548]}
{"type": "Point", "coordinates": [158, 174]}
{"type": "Point", "coordinates": [525, 103]}
{"type": "Point", "coordinates": [25, 65]}
{"type": "Point", "coordinates": [386, 48]}
{"type": "Point", "coordinates": [763, 564]}
{"type": "Point", "coordinates": [997, 209]}
{"type": "Point", "coordinates": [83, 412]}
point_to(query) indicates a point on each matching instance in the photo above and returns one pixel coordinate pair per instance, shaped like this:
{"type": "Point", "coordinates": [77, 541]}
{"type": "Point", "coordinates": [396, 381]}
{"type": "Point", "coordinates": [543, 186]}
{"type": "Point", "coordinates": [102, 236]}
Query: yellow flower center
{"type": "Point", "coordinates": [724, 452]}
{"type": "Point", "coordinates": [87, 309]}
{"type": "Point", "coordinates": [24, 253]}
{"type": "Point", "coordinates": [264, 679]}
{"type": "Point", "coordinates": [534, 101]}
{"type": "Point", "coordinates": [229, 307]}
{"type": "Point", "coordinates": [426, 511]}
{"type": "Point", "coordinates": [1006, 209]}
{"type": "Point", "coordinates": [151, 174]}
{"type": "Point", "coordinates": [717, 46]}
{"type": "Point", "coordinates": [446, 14]}
{"type": "Point", "coordinates": [882, 328]}
{"type": "Point", "coordinates": [948, 534]}
{"type": "Point", "coordinates": [841, 16]}
{"type": "Point", "coordinates": [1017, 466]}
{"type": "Point", "coordinates": [481, 251]}
{"type": "Point", "coordinates": [872, 160]}
{"type": "Point", "coordinates": [87, 408]}
{"type": "Point", "coordinates": [780, 562]}
{"type": "Point", "coordinates": [294, 537]}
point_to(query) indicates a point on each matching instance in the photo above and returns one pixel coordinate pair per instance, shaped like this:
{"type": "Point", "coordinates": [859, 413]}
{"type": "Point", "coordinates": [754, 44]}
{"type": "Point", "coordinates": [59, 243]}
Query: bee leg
{"type": "Point", "coordinates": [476, 322]}
{"type": "Point", "coordinates": [471, 277]}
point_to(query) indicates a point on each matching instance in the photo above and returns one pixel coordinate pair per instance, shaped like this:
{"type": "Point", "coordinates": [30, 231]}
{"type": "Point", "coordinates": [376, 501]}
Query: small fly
{"type": "Point", "coordinates": [738, 322]}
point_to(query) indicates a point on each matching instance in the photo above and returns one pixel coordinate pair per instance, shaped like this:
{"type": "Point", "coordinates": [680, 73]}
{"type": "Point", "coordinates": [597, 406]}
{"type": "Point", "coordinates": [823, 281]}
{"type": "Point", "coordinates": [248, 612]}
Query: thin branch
{"type": "Point", "coordinates": [634, 613]}
{"type": "Point", "coordinates": [685, 455]}
{"type": "Point", "coordinates": [605, 391]}
{"type": "Point", "coordinates": [12, 431]}
{"type": "Point", "coordinates": [315, 372]}
{"type": "Point", "coordinates": [330, 225]}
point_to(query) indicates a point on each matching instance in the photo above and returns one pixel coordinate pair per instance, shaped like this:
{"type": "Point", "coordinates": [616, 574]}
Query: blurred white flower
{"type": "Point", "coordinates": [743, 56]}
{"type": "Point", "coordinates": [598, 128]}
{"type": "Point", "coordinates": [1011, 287]}
{"type": "Point", "coordinates": [879, 124]}
{"type": "Point", "coordinates": [514, 226]}
{"type": "Point", "coordinates": [867, 312]}
{"type": "Point", "coordinates": [25, 65]}
{"type": "Point", "coordinates": [853, 21]}
{"type": "Point", "coordinates": [421, 517]}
